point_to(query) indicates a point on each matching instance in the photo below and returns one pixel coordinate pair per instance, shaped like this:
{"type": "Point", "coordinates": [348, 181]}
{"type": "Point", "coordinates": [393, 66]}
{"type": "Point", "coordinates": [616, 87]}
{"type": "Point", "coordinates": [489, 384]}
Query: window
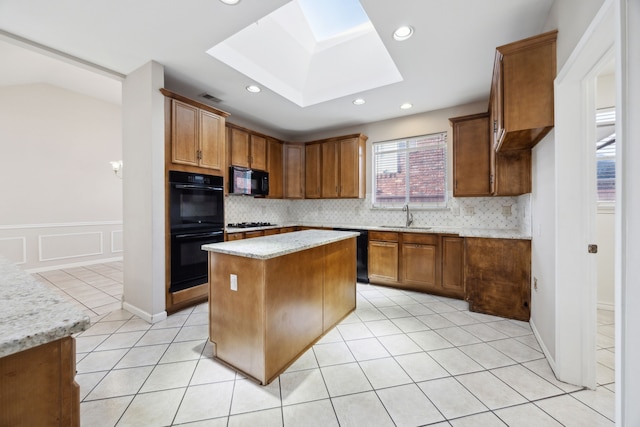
{"type": "Point", "coordinates": [410, 171]}
{"type": "Point", "coordinates": [606, 156]}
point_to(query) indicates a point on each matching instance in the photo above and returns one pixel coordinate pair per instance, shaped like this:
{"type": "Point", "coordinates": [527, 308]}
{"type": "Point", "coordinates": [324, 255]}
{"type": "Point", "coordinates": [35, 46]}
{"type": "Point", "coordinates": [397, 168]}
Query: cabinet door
{"type": "Point", "coordinates": [239, 148]}
{"type": "Point", "coordinates": [212, 141]}
{"type": "Point", "coordinates": [419, 266]}
{"type": "Point", "coordinates": [471, 156]}
{"type": "Point", "coordinates": [498, 276]}
{"type": "Point", "coordinates": [351, 168]}
{"type": "Point", "coordinates": [293, 171]}
{"type": "Point", "coordinates": [383, 261]}
{"type": "Point", "coordinates": [258, 159]}
{"type": "Point", "coordinates": [313, 171]}
{"type": "Point", "coordinates": [275, 169]}
{"type": "Point", "coordinates": [330, 172]}
{"type": "Point", "coordinates": [511, 172]}
{"type": "Point", "coordinates": [453, 265]}
{"type": "Point", "coordinates": [251, 234]}
{"type": "Point", "coordinates": [496, 103]}
{"type": "Point", "coordinates": [184, 138]}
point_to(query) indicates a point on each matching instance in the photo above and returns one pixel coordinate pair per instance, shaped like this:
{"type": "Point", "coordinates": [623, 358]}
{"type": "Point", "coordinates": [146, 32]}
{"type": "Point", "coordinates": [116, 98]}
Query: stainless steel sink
{"type": "Point", "coordinates": [404, 227]}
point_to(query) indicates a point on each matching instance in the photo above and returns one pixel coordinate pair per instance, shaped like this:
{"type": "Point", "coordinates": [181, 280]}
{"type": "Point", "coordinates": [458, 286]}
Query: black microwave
{"type": "Point", "coordinates": [248, 181]}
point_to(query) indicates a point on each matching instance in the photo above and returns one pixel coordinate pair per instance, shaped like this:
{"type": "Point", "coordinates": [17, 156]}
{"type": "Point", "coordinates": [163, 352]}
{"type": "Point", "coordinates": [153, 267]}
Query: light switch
{"type": "Point", "coordinates": [234, 282]}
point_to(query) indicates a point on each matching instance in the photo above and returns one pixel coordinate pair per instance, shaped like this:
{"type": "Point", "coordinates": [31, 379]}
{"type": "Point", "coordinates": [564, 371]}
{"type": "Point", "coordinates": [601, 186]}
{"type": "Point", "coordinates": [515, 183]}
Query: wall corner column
{"type": "Point", "coordinates": [143, 192]}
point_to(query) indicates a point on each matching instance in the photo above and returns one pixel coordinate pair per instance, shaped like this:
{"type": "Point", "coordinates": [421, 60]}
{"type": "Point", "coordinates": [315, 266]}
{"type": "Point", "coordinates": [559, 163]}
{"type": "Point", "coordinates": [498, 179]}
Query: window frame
{"type": "Point", "coordinates": [441, 142]}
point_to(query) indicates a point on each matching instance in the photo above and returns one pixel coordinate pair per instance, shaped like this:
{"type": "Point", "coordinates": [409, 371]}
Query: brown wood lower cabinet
{"type": "Point", "coordinates": [430, 263]}
{"type": "Point", "coordinates": [419, 261]}
{"type": "Point", "coordinates": [38, 388]}
{"type": "Point", "coordinates": [498, 277]}
{"type": "Point", "coordinates": [383, 257]}
{"type": "Point", "coordinates": [452, 249]}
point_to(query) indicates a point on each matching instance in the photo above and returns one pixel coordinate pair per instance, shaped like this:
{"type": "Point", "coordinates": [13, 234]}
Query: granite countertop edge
{"type": "Point", "coordinates": [277, 245]}
{"type": "Point", "coordinates": [32, 314]}
{"type": "Point", "coordinates": [492, 233]}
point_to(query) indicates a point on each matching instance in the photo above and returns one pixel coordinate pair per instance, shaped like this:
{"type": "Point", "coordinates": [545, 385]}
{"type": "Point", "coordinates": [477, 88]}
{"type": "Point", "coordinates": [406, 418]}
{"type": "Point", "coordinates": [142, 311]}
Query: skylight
{"type": "Point", "coordinates": [311, 51]}
{"type": "Point", "coordinates": [330, 18]}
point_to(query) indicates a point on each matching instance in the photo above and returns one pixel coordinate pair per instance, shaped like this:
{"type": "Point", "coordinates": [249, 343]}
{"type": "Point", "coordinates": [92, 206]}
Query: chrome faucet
{"type": "Point", "coordinates": [405, 208]}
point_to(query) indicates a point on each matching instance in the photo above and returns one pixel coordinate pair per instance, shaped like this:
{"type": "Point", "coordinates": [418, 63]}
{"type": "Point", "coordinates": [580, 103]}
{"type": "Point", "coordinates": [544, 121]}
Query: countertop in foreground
{"type": "Point", "coordinates": [32, 314]}
{"type": "Point", "coordinates": [279, 244]}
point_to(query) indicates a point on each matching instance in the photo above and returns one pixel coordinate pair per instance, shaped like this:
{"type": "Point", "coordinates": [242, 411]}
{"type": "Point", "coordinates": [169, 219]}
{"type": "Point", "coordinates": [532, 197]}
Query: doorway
{"type": "Point", "coordinates": [605, 157]}
{"type": "Point", "coordinates": [576, 203]}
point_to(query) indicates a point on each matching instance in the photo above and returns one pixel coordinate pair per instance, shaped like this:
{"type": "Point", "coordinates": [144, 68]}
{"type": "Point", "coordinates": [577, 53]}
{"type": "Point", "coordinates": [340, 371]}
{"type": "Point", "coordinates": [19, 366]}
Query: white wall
{"type": "Point", "coordinates": [144, 185]}
{"type": "Point", "coordinates": [61, 202]}
{"type": "Point", "coordinates": [627, 222]}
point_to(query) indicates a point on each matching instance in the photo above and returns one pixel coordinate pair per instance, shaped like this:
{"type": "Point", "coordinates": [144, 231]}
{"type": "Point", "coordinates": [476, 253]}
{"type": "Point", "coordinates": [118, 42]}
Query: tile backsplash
{"type": "Point", "coordinates": [509, 213]}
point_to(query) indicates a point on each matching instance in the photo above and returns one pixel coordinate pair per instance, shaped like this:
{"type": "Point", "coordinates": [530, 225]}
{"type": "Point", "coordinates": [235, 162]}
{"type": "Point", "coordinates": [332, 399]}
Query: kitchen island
{"type": "Point", "coordinates": [37, 352]}
{"type": "Point", "coordinates": [271, 298]}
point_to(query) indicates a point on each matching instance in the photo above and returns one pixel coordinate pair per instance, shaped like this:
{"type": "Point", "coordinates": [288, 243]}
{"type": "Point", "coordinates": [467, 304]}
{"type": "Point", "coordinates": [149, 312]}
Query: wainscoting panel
{"type": "Point", "coordinates": [72, 245]}
{"type": "Point", "coordinates": [116, 241]}
{"type": "Point", "coordinates": [41, 247]}
{"type": "Point", "coordinates": [14, 249]}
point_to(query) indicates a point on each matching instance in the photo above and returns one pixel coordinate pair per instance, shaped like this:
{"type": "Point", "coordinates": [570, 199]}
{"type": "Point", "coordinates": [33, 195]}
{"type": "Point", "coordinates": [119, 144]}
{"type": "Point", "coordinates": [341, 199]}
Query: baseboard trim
{"type": "Point", "coordinates": [73, 265]}
{"type": "Point", "coordinates": [147, 317]}
{"type": "Point", "coordinates": [544, 348]}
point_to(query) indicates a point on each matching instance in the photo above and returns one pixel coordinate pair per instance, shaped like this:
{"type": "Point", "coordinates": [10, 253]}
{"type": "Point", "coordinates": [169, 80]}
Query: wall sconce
{"type": "Point", "coordinates": [116, 165]}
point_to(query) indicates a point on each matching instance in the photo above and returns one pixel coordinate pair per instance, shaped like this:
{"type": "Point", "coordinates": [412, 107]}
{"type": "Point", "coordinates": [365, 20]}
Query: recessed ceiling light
{"type": "Point", "coordinates": [230, 2]}
{"type": "Point", "coordinates": [359, 101]}
{"type": "Point", "coordinates": [253, 88]}
{"type": "Point", "coordinates": [406, 106]}
{"type": "Point", "coordinates": [403, 33]}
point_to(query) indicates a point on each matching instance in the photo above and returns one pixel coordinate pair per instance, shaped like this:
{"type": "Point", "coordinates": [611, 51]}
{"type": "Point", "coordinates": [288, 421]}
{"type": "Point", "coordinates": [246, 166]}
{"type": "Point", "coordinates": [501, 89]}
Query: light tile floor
{"type": "Point", "coordinates": [403, 358]}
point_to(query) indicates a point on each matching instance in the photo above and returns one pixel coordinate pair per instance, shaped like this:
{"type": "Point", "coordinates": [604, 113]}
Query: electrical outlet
{"type": "Point", "coordinates": [535, 283]}
{"type": "Point", "coordinates": [506, 210]}
{"type": "Point", "coordinates": [468, 210]}
{"type": "Point", "coordinates": [234, 282]}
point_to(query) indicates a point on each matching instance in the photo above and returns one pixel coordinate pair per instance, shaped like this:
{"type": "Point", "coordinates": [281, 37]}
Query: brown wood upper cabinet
{"type": "Point", "coordinates": [521, 100]}
{"type": "Point", "coordinates": [478, 170]}
{"type": "Point", "coordinates": [293, 171]}
{"type": "Point", "coordinates": [275, 168]}
{"type": "Point", "coordinates": [197, 133]}
{"type": "Point", "coordinates": [313, 171]}
{"type": "Point", "coordinates": [471, 156]}
{"type": "Point", "coordinates": [247, 149]}
{"type": "Point", "coordinates": [336, 167]}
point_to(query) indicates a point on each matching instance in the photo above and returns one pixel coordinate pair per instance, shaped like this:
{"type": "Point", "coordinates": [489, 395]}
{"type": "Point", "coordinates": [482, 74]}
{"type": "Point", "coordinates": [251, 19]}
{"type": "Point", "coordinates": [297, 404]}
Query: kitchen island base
{"type": "Point", "coordinates": [38, 388]}
{"type": "Point", "coordinates": [265, 313]}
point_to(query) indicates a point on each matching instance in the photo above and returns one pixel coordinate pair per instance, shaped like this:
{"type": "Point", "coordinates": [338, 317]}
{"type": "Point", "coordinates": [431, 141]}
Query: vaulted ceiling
{"type": "Point", "coordinates": [447, 62]}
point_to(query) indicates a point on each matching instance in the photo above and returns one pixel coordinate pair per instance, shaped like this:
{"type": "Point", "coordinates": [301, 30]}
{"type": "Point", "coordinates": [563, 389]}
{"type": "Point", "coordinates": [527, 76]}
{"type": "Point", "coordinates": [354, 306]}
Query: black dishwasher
{"type": "Point", "coordinates": [362, 249]}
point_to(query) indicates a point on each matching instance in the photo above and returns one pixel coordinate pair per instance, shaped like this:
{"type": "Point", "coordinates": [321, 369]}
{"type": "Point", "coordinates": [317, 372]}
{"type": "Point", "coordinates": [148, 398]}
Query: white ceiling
{"type": "Point", "coordinates": [447, 62]}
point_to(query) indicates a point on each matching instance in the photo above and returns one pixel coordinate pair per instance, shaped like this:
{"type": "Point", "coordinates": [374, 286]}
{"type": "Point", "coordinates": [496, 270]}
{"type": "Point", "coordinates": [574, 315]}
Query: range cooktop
{"type": "Point", "coordinates": [250, 224]}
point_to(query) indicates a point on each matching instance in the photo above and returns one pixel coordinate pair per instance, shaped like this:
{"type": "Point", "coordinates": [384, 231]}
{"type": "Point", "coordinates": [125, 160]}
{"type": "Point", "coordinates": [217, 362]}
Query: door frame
{"type": "Point", "coordinates": [575, 275]}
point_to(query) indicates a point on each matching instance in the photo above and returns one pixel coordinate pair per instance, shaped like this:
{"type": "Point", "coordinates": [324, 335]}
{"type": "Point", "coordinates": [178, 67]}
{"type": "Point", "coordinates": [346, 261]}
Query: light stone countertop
{"type": "Point", "coordinates": [278, 244]}
{"type": "Point", "coordinates": [32, 314]}
{"type": "Point", "coordinates": [491, 233]}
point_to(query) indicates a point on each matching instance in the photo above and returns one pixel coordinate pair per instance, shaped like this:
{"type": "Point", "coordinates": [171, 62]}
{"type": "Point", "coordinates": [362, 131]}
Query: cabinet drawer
{"type": "Point", "coordinates": [383, 236]}
{"type": "Point", "coordinates": [287, 229]}
{"type": "Point", "coordinates": [250, 234]}
{"type": "Point", "coordinates": [235, 236]}
{"type": "Point", "coordinates": [424, 239]}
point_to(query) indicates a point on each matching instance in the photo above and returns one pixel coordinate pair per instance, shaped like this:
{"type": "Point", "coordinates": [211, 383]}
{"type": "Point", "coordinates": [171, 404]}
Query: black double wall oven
{"type": "Point", "coordinates": [196, 211]}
